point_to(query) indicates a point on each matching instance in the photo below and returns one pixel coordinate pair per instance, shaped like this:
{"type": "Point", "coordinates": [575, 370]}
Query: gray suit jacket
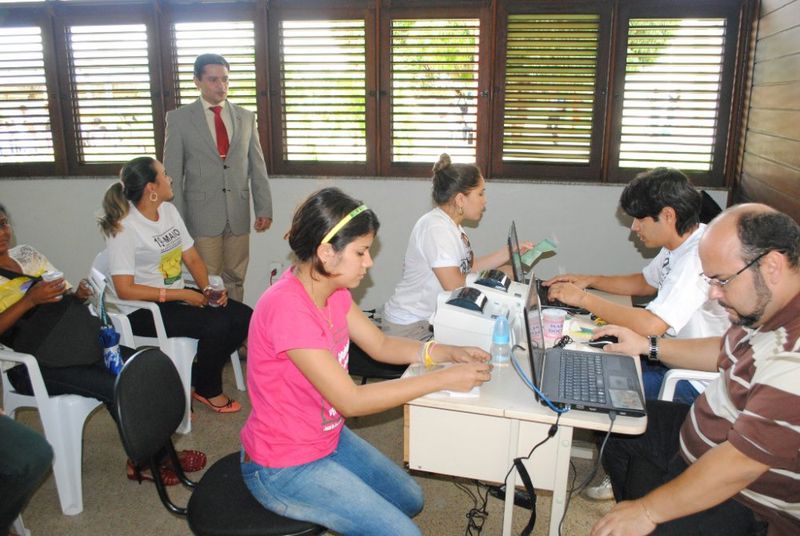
{"type": "Point", "coordinates": [210, 191]}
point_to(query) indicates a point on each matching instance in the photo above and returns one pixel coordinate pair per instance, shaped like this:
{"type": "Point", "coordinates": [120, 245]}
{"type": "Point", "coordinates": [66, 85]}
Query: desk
{"type": "Point", "coordinates": [479, 437]}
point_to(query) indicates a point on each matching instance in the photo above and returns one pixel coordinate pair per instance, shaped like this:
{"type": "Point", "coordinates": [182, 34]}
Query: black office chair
{"type": "Point", "coordinates": [363, 365]}
{"type": "Point", "coordinates": [150, 404]}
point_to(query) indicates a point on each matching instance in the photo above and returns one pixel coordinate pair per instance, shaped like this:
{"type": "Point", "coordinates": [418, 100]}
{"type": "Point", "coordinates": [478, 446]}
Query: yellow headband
{"type": "Point", "coordinates": [344, 221]}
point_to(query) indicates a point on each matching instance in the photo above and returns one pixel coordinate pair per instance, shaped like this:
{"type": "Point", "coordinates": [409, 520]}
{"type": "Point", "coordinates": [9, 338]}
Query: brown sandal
{"type": "Point", "coordinates": [168, 476]}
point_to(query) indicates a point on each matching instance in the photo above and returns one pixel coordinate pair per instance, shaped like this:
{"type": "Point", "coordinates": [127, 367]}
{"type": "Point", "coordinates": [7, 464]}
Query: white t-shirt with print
{"type": "Point", "coordinates": [150, 251]}
{"type": "Point", "coordinates": [682, 300]}
{"type": "Point", "coordinates": [435, 242]}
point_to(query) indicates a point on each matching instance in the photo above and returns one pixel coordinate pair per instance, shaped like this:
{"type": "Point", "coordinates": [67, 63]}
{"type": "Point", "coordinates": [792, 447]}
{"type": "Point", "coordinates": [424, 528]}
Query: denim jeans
{"type": "Point", "coordinates": [653, 377]}
{"type": "Point", "coordinates": [355, 490]}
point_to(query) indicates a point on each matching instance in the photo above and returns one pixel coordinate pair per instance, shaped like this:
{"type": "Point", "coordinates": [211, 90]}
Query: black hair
{"type": "Point", "coordinates": [208, 59]}
{"type": "Point", "coordinates": [134, 176]}
{"type": "Point", "coordinates": [651, 191]}
{"type": "Point", "coordinates": [761, 232]}
{"type": "Point", "coordinates": [450, 179]}
{"type": "Point", "coordinates": [317, 215]}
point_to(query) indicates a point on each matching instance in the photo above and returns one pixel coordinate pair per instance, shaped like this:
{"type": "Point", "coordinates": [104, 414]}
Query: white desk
{"type": "Point", "coordinates": [479, 437]}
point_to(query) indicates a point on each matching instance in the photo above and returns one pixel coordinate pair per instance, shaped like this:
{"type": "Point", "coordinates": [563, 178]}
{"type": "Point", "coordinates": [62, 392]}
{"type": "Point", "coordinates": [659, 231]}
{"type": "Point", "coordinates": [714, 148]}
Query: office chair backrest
{"type": "Point", "coordinates": [149, 402]}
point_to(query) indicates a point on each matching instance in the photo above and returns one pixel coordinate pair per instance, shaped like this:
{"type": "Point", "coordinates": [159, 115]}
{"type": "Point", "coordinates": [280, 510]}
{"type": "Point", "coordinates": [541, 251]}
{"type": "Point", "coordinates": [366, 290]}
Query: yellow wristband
{"type": "Point", "coordinates": [428, 358]}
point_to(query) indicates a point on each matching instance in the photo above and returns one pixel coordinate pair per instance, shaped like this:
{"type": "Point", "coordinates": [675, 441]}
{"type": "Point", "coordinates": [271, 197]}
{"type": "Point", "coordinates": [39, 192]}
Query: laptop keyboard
{"type": "Point", "coordinates": [582, 377]}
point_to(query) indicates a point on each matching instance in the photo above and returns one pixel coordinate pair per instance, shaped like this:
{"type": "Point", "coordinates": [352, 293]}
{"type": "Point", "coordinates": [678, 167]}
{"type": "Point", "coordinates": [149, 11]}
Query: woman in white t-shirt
{"type": "Point", "coordinates": [147, 244]}
{"type": "Point", "coordinates": [439, 255]}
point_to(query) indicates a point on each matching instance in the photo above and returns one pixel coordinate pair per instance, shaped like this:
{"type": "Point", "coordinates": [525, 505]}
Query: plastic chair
{"type": "Point", "coordinates": [181, 350]}
{"type": "Point", "coordinates": [150, 404]}
{"type": "Point", "coordinates": [698, 378]}
{"type": "Point", "coordinates": [63, 418]}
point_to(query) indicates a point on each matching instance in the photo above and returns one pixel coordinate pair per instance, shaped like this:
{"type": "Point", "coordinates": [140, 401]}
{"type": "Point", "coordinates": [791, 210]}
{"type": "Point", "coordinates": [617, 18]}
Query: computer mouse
{"type": "Point", "coordinates": [602, 341]}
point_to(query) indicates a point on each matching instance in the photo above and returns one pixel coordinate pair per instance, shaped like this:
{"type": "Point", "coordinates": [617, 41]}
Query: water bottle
{"type": "Point", "coordinates": [501, 341]}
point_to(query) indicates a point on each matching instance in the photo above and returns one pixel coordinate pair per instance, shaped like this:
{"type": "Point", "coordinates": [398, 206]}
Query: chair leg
{"type": "Point", "coordinates": [64, 432]}
{"type": "Point", "coordinates": [236, 363]}
{"type": "Point", "coordinates": [182, 351]}
{"type": "Point", "coordinates": [19, 527]}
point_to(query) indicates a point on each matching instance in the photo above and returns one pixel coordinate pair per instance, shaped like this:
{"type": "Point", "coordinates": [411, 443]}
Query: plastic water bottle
{"type": "Point", "coordinates": [501, 341]}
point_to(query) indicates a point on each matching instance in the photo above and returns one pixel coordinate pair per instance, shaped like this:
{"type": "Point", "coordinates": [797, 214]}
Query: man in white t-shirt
{"type": "Point", "coordinates": [665, 208]}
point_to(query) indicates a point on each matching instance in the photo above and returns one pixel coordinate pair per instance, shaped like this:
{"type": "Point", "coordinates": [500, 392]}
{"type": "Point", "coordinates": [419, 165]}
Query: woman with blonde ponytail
{"type": "Point", "coordinates": [148, 244]}
{"type": "Point", "coordinates": [439, 255]}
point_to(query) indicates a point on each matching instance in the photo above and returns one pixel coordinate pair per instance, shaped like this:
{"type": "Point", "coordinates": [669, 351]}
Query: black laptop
{"type": "Point", "coordinates": [519, 274]}
{"type": "Point", "coordinates": [591, 381]}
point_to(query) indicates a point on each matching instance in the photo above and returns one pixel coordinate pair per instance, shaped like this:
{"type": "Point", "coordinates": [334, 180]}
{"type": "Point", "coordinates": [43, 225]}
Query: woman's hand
{"type": "Point", "coordinates": [465, 376]}
{"type": "Point", "coordinates": [46, 292]}
{"type": "Point", "coordinates": [526, 246]}
{"type": "Point", "coordinates": [196, 299]}
{"type": "Point", "coordinates": [459, 354]}
{"type": "Point", "coordinates": [220, 301]}
{"type": "Point", "coordinates": [83, 290]}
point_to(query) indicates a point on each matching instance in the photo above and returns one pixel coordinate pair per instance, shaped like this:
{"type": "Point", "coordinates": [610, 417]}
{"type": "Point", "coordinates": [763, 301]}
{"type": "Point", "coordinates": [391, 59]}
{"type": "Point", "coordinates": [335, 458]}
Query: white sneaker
{"type": "Point", "coordinates": [600, 492]}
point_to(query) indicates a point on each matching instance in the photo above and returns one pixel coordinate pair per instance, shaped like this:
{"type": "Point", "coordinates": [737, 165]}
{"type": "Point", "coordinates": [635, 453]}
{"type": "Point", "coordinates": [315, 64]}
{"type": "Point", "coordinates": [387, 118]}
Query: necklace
{"type": "Point", "coordinates": [327, 316]}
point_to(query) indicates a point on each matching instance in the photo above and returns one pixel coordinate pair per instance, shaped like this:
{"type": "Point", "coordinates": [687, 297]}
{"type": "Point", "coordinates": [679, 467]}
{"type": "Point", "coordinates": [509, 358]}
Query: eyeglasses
{"type": "Point", "coordinates": [721, 282]}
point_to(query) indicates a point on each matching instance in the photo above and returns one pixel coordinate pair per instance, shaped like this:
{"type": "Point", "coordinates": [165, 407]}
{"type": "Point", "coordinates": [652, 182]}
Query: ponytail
{"type": "Point", "coordinates": [115, 207]}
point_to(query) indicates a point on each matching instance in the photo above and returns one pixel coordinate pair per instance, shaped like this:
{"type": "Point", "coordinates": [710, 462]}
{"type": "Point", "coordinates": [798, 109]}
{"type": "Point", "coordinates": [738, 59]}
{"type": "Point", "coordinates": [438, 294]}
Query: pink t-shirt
{"type": "Point", "coordinates": [291, 423]}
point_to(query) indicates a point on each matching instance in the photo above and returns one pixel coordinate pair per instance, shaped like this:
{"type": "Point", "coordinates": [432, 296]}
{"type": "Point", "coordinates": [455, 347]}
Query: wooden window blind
{"type": "Point", "coordinates": [25, 130]}
{"type": "Point", "coordinates": [234, 40]}
{"type": "Point", "coordinates": [550, 85]}
{"type": "Point", "coordinates": [323, 90]}
{"type": "Point", "coordinates": [673, 75]}
{"type": "Point", "coordinates": [112, 105]}
{"type": "Point", "coordinates": [434, 84]}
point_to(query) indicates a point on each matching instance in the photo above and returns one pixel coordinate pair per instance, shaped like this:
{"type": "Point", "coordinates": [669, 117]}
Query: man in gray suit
{"type": "Point", "coordinates": [213, 154]}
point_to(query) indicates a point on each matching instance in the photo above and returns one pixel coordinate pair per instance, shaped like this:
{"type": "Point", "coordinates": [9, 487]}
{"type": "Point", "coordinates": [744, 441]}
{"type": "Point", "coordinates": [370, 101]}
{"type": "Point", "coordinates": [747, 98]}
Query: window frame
{"type": "Point", "coordinates": [53, 17]}
{"type": "Point", "coordinates": [276, 16]}
{"type": "Point", "coordinates": [590, 172]}
{"type": "Point", "coordinates": [723, 143]}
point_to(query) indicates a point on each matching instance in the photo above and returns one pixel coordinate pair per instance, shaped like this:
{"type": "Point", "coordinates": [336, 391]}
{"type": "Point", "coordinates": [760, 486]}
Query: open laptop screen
{"type": "Point", "coordinates": [514, 255]}
{"type": "Point", "coordinates": [534, 337]}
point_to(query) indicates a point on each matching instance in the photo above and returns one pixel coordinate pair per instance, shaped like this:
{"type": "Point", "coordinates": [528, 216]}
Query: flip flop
{"type": "Point", "coordinates": [231, 406]}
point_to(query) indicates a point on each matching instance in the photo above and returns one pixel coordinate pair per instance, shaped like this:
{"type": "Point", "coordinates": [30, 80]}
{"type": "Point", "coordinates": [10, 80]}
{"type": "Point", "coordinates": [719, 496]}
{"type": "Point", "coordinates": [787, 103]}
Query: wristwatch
{"type": "Point", "coordinates": [652, 357]}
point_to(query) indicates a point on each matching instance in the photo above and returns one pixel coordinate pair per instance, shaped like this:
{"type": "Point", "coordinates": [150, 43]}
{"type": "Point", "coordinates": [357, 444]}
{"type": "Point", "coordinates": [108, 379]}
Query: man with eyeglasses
{"type": "Point", "coordinates": [729, 463]}
{"type": "Point", "coordinates": [665, 208]}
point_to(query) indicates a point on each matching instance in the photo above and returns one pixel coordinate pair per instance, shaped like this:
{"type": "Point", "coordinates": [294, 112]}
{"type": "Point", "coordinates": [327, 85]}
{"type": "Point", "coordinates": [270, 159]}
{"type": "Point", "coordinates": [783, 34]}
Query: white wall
{"type": "Point", "coordinates": [57, 216]}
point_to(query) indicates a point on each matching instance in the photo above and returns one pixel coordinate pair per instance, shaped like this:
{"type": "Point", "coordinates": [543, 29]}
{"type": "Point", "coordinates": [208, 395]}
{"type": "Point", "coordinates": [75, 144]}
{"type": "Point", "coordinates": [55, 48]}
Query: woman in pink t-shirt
{"type": "Point", "coordinates": [298, 457]}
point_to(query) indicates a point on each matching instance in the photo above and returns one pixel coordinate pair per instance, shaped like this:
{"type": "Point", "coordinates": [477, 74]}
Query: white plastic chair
{"type": "Point", "coordinates": [181, 350]}
{"type": "Point", "coordinates": [19, 527]}
{"type": "Point", "coordinates": [698, 378]}
{"type": "Point", "coordinates": [63, 418]}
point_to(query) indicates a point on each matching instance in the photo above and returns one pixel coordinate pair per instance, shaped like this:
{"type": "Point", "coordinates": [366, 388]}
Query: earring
{"type": "Point", "coordinates": [153, 197]}
{"type": "Point", "coordinates": [460, 211]}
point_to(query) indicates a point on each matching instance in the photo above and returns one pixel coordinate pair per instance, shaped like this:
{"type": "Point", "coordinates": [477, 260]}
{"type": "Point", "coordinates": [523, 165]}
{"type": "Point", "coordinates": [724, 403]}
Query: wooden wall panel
{"type": "Point", "coordinates": [770, 166]}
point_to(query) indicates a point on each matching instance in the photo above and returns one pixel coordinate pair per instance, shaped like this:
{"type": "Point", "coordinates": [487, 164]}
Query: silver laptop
{"type": "Point", "coordinates": [591, 381]}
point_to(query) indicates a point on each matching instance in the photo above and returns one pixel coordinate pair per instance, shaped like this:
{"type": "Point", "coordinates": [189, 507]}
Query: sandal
{"type": "Point", "coordinates": [190, 460]}
{"type": "Point", "coordinates": [168, 476]}
{"type": "Point", "coordinates": [231, 406]}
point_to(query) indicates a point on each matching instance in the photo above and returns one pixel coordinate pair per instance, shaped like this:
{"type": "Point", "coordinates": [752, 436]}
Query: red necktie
{"type": "Point", "coordinates": [222, 132]}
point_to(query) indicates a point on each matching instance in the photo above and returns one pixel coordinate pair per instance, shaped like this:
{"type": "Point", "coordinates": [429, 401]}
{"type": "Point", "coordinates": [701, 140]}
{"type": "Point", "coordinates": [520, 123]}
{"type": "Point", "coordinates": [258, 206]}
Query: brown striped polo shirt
{"type": "Point", "coordinates": [755, 405]}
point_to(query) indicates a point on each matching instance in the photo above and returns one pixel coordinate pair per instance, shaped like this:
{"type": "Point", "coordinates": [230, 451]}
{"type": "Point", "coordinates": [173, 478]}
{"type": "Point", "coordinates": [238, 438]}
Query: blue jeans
{"type": "Point", "coordinates": [355, 490]}
{"type": "Point", "coordinates": [653, 377]}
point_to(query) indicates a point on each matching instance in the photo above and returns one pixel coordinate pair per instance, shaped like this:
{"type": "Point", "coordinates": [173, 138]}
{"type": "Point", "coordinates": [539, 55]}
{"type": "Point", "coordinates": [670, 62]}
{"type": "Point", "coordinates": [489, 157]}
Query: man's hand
{"type": "Point", "coordinates": [628, 518]}
{"type": "Point", "coordinates": [628, 341]}
{"type": "Point", "coordinates": [262, 224]}
{"type": "Point", "coordinates": [580, 281]}
{"type": "Point", "coordinates": [567, 293]}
